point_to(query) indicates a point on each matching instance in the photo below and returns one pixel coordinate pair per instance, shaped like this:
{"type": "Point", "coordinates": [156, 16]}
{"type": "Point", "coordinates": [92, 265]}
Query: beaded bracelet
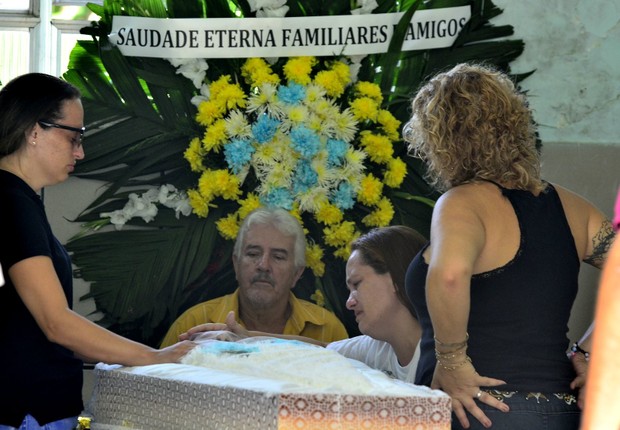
{"type": "Point", "coordinates": [449, 355]}
{"type": "Point", "coordinates": [452, 367]}
{"type": "Point", "coordinates": [576, 349]}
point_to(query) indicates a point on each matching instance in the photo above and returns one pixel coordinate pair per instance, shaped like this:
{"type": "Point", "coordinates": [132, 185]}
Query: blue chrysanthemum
{"type": "Point", "coordinates": [279, 197]}
{"type": "Point", "coordinates": [265, 128]}
{"type": "Point", "coordinates": [343, 196]}
{"type": "Point", "coordinates": [305, 141]}
{"type": "Point", "coordinates": [336, 150]}
{"type": "Point", "coordinates": [293, 93]}
{"type": "Point", "coordinates": [238, 153]}
{"type": "Point", "coordinates": [305, 177]}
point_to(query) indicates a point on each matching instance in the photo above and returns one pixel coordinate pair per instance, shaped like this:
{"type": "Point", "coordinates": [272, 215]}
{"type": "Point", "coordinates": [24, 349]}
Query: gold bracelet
{"type": "Point", "coordinates": [449, 354]}
{"type": "Point", "coordinates": [460, 347]}
{"type": "Point", "coordinates": [451, 368]}
{"type": "Point", "coordinates": [452, 345]}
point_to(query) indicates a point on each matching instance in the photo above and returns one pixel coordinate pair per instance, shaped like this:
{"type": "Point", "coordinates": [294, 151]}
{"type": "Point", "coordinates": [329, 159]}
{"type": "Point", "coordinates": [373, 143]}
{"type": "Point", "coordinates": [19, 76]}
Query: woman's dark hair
{"type": "Point", "coordinates": [390, 250]}
{"type": "Point", "coordinates": [26, 100]}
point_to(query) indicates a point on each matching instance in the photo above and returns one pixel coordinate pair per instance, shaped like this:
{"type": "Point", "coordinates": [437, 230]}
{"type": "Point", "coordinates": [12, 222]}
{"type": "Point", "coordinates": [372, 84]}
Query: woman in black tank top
{"type": "Point", "coordinates": [494, 288]}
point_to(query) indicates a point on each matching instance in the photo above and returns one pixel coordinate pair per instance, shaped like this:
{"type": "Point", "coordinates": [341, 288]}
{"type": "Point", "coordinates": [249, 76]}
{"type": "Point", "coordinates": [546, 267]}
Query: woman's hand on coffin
{"type": "Point", "coordinates": [173, 353]}
{"type": "Point", "coordinates": [463, 384]}
{"type": "Point", "coordinates": [231, 326]}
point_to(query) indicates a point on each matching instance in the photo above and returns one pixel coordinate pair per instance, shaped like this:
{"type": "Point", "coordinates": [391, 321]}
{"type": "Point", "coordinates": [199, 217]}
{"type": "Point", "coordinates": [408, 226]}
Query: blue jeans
{"type": "Point", "coordinates": [30, 423]}
{"type": "Point", "coordinates": [531, 411]}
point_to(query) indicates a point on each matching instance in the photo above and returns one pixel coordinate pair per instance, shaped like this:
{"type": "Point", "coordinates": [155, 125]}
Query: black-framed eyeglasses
{"type": "Point", "coordinates": [47, 124]}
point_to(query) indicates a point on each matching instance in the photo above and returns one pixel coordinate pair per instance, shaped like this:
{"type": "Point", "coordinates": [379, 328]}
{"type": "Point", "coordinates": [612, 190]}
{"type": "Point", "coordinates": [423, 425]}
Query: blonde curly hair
{"type": "Point", "coordinates": [470, 124]}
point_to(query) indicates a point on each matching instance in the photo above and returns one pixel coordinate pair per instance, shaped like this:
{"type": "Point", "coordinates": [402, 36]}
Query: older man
{"type": "Point", "coordinates": [268, 258]}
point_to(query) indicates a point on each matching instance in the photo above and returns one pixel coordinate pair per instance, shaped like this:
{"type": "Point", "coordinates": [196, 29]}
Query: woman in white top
{"type": "Point", "coordinates": [376, 280]}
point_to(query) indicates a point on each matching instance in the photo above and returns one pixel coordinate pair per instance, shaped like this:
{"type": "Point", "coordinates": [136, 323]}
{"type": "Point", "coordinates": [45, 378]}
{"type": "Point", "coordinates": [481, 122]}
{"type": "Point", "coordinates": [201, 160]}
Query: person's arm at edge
{"type": "Point", "coordinates": [39, 288]}
{"type": "Point", "coordinates": [604, 372]}
{"type": "Point", "coordinates": [594, 249]}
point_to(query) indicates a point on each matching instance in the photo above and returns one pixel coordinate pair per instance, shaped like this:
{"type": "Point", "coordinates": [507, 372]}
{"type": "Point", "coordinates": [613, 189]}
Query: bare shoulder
{"type": "Point", "coordinates": [591, 228]}
{"type": "Point", "coordinates": [478, 200]}
{"type": "Point", "coordinates": [469, 195]}
{"type": "Point", "coordinates": [463, 210]}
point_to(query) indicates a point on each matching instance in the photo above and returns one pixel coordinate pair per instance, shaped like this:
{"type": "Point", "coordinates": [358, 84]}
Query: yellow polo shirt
{"type": "Point", "coordinates": [307, 319]}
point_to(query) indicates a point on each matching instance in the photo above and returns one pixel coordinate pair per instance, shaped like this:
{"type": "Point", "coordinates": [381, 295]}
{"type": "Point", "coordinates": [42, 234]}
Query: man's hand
{"type": "Point", "coordinates": [232, 327]}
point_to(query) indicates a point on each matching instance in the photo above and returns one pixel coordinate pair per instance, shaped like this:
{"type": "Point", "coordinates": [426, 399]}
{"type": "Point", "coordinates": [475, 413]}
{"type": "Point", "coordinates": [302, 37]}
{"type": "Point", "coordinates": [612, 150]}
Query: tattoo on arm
{"type": "Point", "coordinates": [601, 242]}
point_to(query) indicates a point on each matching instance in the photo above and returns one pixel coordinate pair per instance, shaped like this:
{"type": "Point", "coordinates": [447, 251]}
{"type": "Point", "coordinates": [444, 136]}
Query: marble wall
{"type": "Point", "coordinates": [573, 46]}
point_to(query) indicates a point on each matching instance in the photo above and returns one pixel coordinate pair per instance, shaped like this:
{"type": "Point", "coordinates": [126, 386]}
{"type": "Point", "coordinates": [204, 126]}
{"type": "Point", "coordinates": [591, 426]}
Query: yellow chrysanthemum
{"type": "Point", "coordinates": [264, 77]}
{"type": "Point", "coordinates": [208, 111]}
{"type": "Point", "coordinates": [343, 252]}
{"type": "Point", "coordinates": [295, 211]}
{"type": "Point", "coordinates": [328, 214]}
{"type": "Point", "coordinates": [318, 296]}
{"type": "Point", "coordinates": [228, 226]}
{"type": "Point", "coordinates": [378, 146]}
{"type": "Point", "coordinates": [217, 86]}
{"type": "Point", "coordinates": [314, 259]}
{"type": "Point", "coordinates": [247, 205]}
{"type": "Point", "coordinates": [371, 189]}
{"type": "Point", "coordinates": [226, 184]}
{"type": "Point", "coordinates": [298, 69]}
{"type": "Point", "coordinates": [381, 216]}
{"type": "Point", "coordinates": [339, 235]}
{"type": "Point", "coordinates": [256, 72]}
{"type": "Point", "coordinates": [369, 89]}
{"type": "Point", "coordinates": [193, 154]}
{"type": "Point", "coordinates": [329, 80]}
{"type": "Point", "coordinates": [232, 96]}
{"type": "Point", "coordinates": [200, 205]}
{"type": "Point", "coordinates": [389, 124]}
{"type": "Point", "coordinates": [395, 173]}
{"type": "Point", "coordinates": [215, 136]}
{"type": "Point", "coordinates": [342, 71]}
{"type": "Point", "coordinates": [206, 187]}
{"type": "Point", "coordinates": [365, 109]}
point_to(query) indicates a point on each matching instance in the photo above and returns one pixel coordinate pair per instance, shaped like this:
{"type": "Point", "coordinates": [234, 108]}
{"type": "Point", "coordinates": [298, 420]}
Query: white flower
{"type": "Point", "coordinates": [354, 66]}
{"type": "Point", "coordinates": [272, 13]}
{"type": "Point", "coordinates": [194, 69]}
{"type": "Point", "coordinates": [118, 218]}
{"type": "Point", "coordinates": [205, 94]}
{"type": "Point", "coordinates": [265, 4]}
{"type": "Point", "coordinates": [269, 8]}
{"type": "Point", "coordinates": [182, 206]}
{"type": "Point", "coordinates": [145, 206]}
{"type": "Point", "coordinates": [364, 7]}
